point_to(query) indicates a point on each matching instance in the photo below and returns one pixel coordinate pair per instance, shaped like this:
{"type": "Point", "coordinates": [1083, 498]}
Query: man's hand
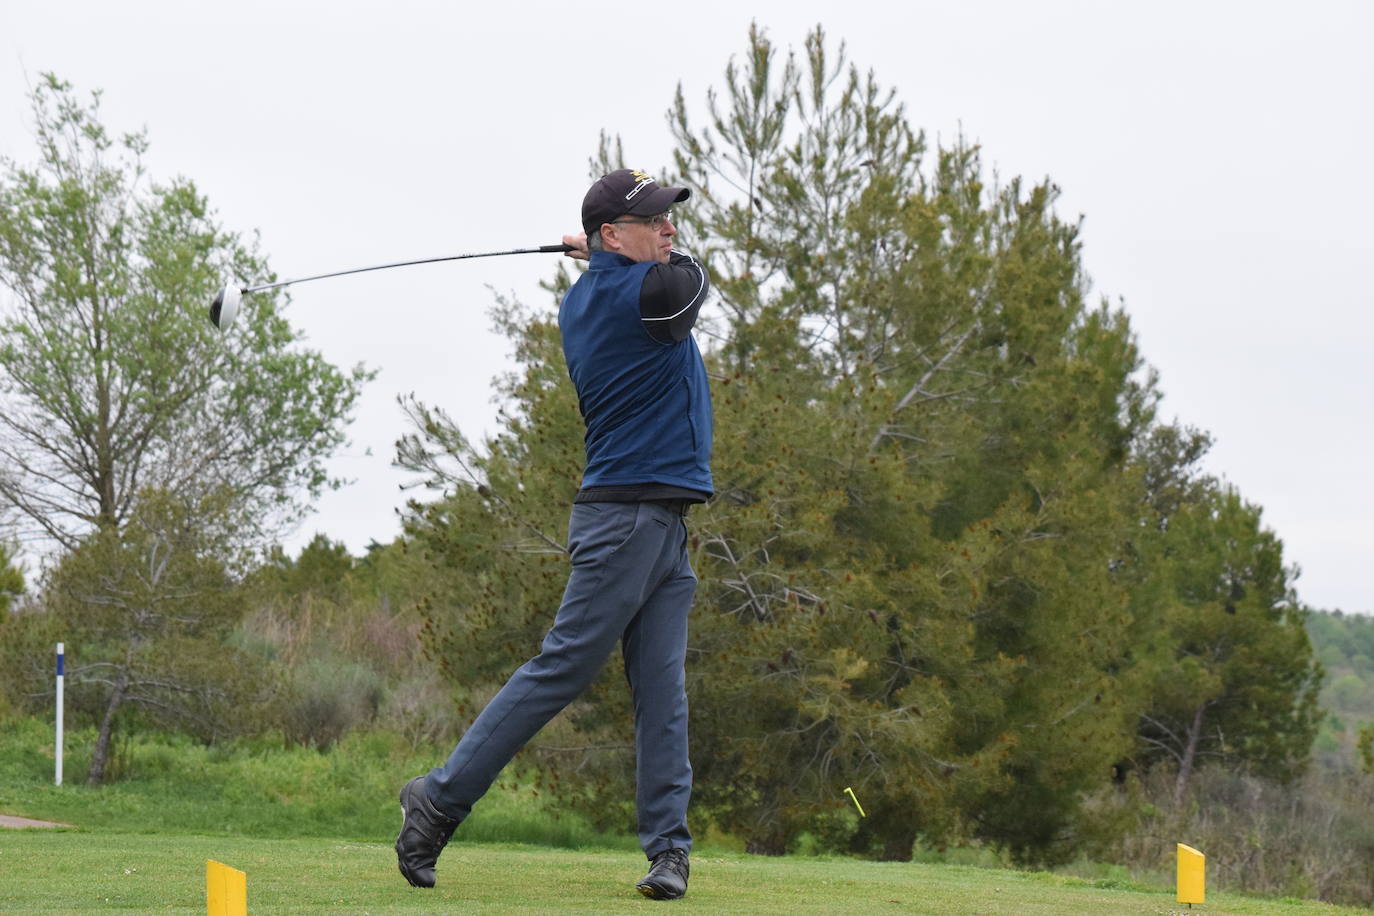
{"type": "Point", "coordinates": [579, 246]}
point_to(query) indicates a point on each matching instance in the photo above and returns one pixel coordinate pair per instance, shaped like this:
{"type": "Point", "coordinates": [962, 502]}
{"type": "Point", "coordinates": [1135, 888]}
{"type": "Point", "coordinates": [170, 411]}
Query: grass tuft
{"type": "Point", "coordinates": [261, 788]}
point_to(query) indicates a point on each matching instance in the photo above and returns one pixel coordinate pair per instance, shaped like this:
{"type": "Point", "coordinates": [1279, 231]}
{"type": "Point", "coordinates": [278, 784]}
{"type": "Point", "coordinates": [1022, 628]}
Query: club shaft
{"type": "Point", "coordinates": [543, 249]}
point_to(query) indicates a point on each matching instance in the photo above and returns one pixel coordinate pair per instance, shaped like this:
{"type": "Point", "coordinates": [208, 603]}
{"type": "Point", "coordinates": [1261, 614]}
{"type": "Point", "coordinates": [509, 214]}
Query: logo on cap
{"type": "Point", "coordinates": [642, 181]}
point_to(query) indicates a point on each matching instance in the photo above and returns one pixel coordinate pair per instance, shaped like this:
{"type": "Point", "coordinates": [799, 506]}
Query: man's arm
{"type": "Point", "coordinates": [671, 297]}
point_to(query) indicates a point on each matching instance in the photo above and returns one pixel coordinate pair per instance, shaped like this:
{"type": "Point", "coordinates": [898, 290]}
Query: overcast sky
{"type": "Point", "coordinates": [1219, 152]}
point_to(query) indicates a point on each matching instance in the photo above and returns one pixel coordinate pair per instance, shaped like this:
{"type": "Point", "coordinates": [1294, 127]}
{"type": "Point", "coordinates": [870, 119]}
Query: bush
{"type": "Point", "coordinates": [346, 659]}
{"type": "Point", "coordinates": [1311, 838]}
{"type": "Point", "coordinates": [1347, 692]}
{"type": "Point", "coordinates": [328, 698]}
{"type": "Point", "coordinates": [421, 710]}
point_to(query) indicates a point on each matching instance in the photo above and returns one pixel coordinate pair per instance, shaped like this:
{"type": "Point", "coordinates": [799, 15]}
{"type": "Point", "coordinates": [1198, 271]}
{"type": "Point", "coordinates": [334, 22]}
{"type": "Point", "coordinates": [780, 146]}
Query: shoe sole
{"type": "Point", "coordinates": [409, 880]}
{"type": "Point", "coordinates": [654, 892]}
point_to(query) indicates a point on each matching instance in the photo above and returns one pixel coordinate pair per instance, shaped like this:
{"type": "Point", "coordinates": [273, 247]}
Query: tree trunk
{"type": "Point", "coordinates": [1185, 765]}
{"type": "Point", "coordinates": [768, 837]}
{"type": "Point", "coordinates": [100, 757]}
{"type": "Point", "coordinates": [897, 845]}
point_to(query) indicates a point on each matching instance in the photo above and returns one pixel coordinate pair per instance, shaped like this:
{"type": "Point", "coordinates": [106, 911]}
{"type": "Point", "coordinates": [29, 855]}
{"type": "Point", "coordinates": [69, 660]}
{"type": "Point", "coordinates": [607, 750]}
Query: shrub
{"type": "Point", "coordinates": [1313, 837]}
{"type": "Point", "coordinates": [328, 698]}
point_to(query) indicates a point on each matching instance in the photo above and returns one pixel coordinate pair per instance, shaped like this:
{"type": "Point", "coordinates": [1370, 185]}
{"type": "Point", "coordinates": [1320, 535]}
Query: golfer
{"type": "Point", "coordinates": [641, 385]}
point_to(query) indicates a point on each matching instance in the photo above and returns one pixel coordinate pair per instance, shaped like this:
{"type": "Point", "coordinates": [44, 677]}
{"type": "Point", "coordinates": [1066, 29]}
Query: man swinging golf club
{"type": "Point", "coordinates": [641, 384]}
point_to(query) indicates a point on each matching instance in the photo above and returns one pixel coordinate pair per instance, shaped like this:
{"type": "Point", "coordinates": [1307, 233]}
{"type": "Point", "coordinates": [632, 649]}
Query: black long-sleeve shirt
{"type": "Point", "coordinates": [671, 297]}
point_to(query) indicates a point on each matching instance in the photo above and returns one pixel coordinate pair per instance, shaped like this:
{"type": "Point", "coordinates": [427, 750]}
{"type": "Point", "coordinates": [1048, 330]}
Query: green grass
{"type": "Point", "coordinates": [77, 871]}
{"type": "Point", "coordinates": [314, 832]}
{"type": "Point", "coordinates": [262, 789]}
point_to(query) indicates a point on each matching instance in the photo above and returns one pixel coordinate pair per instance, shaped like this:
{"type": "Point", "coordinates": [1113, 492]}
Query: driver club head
{"type": "Point", "coordinates": [225, 307]}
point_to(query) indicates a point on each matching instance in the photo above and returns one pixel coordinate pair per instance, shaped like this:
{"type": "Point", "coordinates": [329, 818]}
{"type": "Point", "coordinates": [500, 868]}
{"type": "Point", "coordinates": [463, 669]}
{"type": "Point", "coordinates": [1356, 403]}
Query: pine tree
{"type": "Point", "coordinates": [1238, 683]}
{"type": "Point", "coordinates": [908, 572]}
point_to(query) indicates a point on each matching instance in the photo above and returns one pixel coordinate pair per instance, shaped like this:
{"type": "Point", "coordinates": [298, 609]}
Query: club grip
{"type": "Point", "coordinates": [558, 247]}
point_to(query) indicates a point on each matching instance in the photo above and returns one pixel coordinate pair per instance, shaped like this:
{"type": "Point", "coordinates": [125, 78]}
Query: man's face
{"type": "Point", "coordinates": [641, 238]}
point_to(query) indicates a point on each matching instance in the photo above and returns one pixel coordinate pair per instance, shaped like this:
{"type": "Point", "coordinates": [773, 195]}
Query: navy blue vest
{"type": "Point", "coordinates": [646, 405]}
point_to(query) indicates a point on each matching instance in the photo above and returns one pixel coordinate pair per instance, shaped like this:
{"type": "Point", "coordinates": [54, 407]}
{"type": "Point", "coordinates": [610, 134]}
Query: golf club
{"type": "Point", "coordinates": [226, 305]}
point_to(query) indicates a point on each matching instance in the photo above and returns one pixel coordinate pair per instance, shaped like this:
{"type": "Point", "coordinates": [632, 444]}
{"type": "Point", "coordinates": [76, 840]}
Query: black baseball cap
{"type": "Point", "coordinates": [626, 191]}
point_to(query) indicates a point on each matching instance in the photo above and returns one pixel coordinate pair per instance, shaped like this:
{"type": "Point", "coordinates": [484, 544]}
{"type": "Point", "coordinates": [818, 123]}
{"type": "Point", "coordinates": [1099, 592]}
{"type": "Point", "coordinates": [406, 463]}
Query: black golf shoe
{"type": "Point", "coordinates": [424, 832]}
{"type": "Point", "coordinates": [667, 877]}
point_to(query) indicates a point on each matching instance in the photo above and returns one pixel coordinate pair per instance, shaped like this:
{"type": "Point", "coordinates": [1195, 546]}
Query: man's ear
{"type": "Point", "coordinates": [610, 237]}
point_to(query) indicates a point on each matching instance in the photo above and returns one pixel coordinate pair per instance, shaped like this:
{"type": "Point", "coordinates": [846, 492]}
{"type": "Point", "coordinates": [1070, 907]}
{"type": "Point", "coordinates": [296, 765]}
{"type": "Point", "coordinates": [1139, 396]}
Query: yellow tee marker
{"type": "Point", "coordinates": [226, 890]}
{"type": "Point", "coordinates": [856, 801]}
{"type": "Point", "coordinates": [1192, 876]}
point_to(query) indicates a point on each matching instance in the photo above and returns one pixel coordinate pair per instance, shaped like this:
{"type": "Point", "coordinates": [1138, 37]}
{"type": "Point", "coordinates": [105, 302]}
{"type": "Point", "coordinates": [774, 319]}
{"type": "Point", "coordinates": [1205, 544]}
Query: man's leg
{"type": "Point", "coordinates": [655, 647]}
{"type": "Point", "coordinates": [620, 552]}
{"type": "Point", "coordinates": [618, 555]}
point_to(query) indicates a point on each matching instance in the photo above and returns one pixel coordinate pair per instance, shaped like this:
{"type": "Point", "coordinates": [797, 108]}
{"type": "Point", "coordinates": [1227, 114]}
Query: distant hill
{"type": "Point", "coordinates": [1345, 645]}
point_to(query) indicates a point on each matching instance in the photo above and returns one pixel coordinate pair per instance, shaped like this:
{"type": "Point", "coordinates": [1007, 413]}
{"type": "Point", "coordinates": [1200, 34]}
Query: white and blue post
{"type": "Point", "coordinates": [60, 657]}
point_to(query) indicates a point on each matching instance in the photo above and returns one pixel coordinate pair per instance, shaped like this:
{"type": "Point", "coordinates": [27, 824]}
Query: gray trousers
{"type": "Point", "coordinates": [631, 581]}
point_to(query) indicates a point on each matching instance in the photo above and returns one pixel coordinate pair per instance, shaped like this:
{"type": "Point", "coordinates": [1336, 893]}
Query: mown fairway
{"type": "Point", "coordinates": [68, 871]}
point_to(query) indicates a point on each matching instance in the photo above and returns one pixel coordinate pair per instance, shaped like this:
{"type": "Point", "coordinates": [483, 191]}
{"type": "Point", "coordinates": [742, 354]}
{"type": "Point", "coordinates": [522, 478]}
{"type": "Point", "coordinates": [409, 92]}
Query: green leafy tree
{"type": "Point", "coordinates": [112, 381]}
{"type": "Point", "coordinates": [323, 569]}
{"type": "Point", "coordinates": [146, 608]}
{"type": "Point", "coordinates": [114, 388]}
